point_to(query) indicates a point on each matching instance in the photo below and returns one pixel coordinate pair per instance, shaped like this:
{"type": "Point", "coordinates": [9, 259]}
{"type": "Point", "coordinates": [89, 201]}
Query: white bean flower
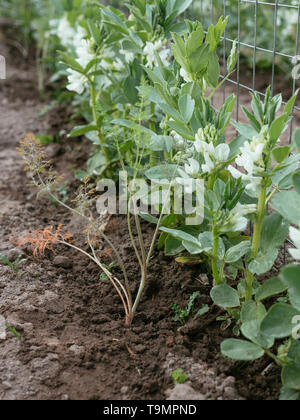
{"type": "Point", "coordinates": [184, 74]}
{"type": "Point", "coordinates": [236, 221]}
{"type": "Point", "coordinates": [253, 182]}
{"type": "Point", "coordinates": [295, 237]}
{"type": "Point", "coordinates": [192, 167]}
{"type": "Point", "coordinates": [108, 56]}
{"type": "Point", "coordinates": [129, 56]}
{"type": "Point", "coordinates": [251, 155]}
{"type": "Point", "coordinates": [118, 64]}
{"type": "Point", "coordinates": [251, 159]}
{"type": "Point", "coordinates": [63, 29]}
{"type": "Point", "coordinates": [213, 156]}
{"type": "Point", "coordinates": [179, 140]}
{"type": "Point", "coordinates": [77, 81]}
{"type": "Point", "coordinates": [157, 47]}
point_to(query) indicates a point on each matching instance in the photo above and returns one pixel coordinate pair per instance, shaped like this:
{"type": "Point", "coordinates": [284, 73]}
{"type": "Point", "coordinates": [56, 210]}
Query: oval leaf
{"type": "Point", "coordinates": [241, 350]}
{"type": "Point", "coordinates": [225, 296]}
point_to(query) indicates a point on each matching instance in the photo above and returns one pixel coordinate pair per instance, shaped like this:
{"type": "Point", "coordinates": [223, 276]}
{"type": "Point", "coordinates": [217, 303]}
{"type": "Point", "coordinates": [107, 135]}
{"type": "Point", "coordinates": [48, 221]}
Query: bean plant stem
{"type": "Point", "coordinates": [215, 267]}
{"type": "Point", "coordinates": [261, 211]}
{"type": "Point", "coordinates": [219, 85]}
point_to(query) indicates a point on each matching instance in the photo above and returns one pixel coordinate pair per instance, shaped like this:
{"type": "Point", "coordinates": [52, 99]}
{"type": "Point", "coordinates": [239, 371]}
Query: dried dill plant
{"type": "Point", "coordinates": [41, 240]}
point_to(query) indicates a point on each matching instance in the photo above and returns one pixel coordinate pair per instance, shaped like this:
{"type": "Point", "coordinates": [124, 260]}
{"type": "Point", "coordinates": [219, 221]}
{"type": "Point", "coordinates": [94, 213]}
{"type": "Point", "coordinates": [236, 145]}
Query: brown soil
{"type": "Point", "coordinates": [73, 341]}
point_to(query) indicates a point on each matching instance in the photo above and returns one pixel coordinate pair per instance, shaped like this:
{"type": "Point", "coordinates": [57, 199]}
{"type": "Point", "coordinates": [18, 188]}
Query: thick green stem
{"type": "Point", "coordinates": [261, 211]}
{"type": "Point", "coordinates": [215, 268]}
{"type": "Point", "coordinates": [211, 181]}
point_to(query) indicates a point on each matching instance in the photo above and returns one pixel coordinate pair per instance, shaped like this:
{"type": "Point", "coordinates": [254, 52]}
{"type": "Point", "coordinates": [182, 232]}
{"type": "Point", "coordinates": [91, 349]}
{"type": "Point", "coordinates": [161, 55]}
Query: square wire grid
{"type": "Point", "coordinates": [209, 11]}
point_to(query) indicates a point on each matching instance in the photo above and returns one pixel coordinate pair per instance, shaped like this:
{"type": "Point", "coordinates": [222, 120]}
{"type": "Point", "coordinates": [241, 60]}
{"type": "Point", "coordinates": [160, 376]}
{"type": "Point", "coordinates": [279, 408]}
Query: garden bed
{"type": "Point", "coordinates": [73, 341]}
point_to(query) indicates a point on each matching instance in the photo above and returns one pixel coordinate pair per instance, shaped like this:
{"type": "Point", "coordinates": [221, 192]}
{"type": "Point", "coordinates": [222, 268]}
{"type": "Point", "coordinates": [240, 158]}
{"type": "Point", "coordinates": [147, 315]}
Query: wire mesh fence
{"type": "Point", "coordinates": [268, 38]}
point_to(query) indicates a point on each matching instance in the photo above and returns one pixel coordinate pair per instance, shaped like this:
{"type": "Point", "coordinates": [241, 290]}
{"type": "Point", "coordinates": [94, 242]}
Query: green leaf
{"type": "Point", "coordinates": [173, 246]}
{"type": "Point", "coordinates": [245, 130]}
{"type": "Point", "coordinates": [290, 105]}
{"type": "Point", "coordinates": [290, 275]}
{"type": "Point", "coordinates": [241, 350]}
{"type": "Point", "coordinates": [294, 352]}
{"type": "Point", "coordinates": [181, 129]}
{"type": "Point", "coordinates": [296, 181]}
{"type": "Point", "coordinates": [96, 163]}
{"type": "Point", "coordinates": [180, 6]}
{"type": "Point", "coordinates": [172, 112]}
{"type": "Point", "coordinates": [162, 172]}
{"type": "Point", "coordinates": [281, 153]}
{"type": "Point", "coordinates": [278, 322]}
{"type": "Point", "coordinates": [237, 252]}
{"type": "Point", "coordinates": [161, 143]}
{"type": "Point", "coordinates": [179, 234]}
{"type": "Point", "coordinates": [130, 89]}
{"type": "Point", "coordinates": [297, 139]}
{"type": "Point", "coordinates": [186, 107]}
{"type": "Point", "coordinates": [213, 69]}
{"type": "Point", "coordinates": [263, 262]}
{"type": "Point", "coordinates": [288, 394]}
{"type": "Point", "coordinates": [199, 59]}
{"type": "Point", "coordinates": [70, 62]}
{"type": "Point", "coordinates": [195, 41]}
{"type": "Point", "coordinates": [233, 58]}
{"type": "Point", "coordinates": [82, 129]}
{"type": "Point", "coordinates": [251, 330]}
{"type": "Point", "coordinates": [95, 32]}
{"type": "Point", "coordinates": [253, 121]}
{"type": "Point", "coordinates": [274, 232]}
{"type": "Point", "coordinates": [278, 127]}
{"type": "Point", "coordinates": [178, 49]}
{"type": "Point", "coordinates": [291, 376]}
{"type": "Point", "coordinates": [202, 311]}
{"type": "Point", "coordinates": [270, 288]}
{"type": "Point", "coordinates": [192, 248]}
{"type": "Point", "coordinates": [225, 296]}
{"type": "Point", "coordinates": [287, 203]}
{"type": "Point", "coordinates": [132, 125]}
{"type": "Point", "coordinates": [235, 146]}
{"type": "Point", "coordinates": [149, 218]}
{"type": "Point", "coordinates": [252, 311]}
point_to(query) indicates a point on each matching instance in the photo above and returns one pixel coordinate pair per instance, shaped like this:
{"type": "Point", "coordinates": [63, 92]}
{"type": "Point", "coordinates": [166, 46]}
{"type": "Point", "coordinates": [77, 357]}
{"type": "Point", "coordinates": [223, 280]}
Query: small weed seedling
{"type": "Point", "coordinates": [14, 332]}
{"type": "Point", "coordinates": [13, 265]}
{"type": "Point", "coordinates": [178, 376]}
{"type": "Point", "coordinates": [182, 315]}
